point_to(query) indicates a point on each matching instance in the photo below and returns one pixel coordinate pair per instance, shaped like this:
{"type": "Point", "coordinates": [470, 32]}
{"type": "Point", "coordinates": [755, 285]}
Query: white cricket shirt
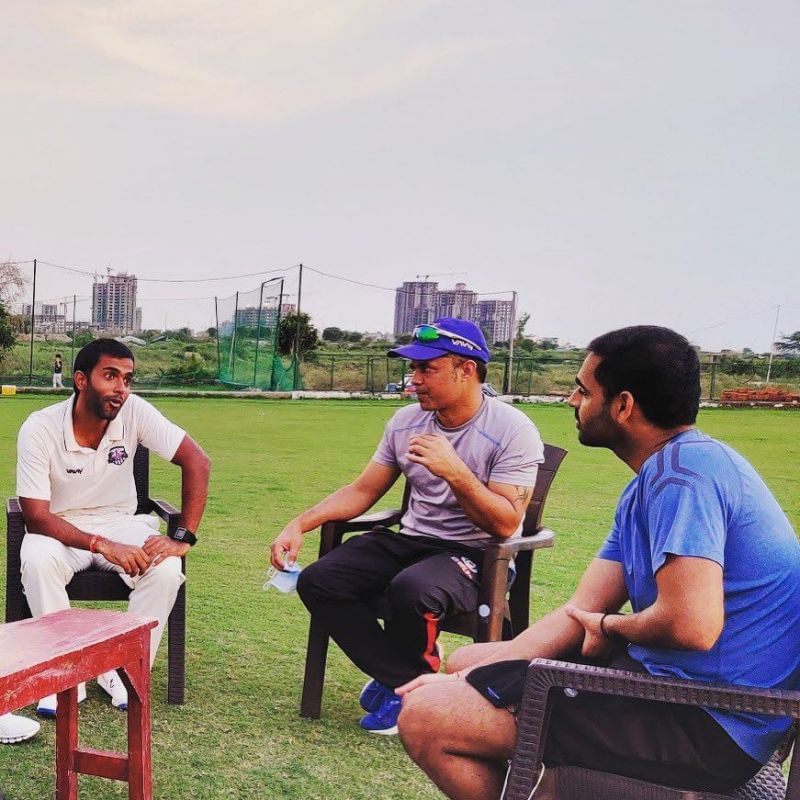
{"type": "Point", "coordinates": [79, 481]}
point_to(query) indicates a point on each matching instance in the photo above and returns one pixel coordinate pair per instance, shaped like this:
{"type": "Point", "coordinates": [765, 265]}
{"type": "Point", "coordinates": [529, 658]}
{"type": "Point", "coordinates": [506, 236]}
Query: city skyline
{"type": "Point", "coordinates": [199, 313]}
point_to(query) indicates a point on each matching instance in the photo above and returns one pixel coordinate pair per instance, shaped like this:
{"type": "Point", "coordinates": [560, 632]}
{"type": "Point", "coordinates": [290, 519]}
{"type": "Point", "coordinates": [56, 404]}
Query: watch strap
{"type": "Point", "coordinates": [181, 534]}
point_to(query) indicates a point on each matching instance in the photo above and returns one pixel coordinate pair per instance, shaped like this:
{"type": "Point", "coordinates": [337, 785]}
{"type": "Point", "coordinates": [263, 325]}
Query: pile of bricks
{"type": "Point", "coordinates": [768, 395]}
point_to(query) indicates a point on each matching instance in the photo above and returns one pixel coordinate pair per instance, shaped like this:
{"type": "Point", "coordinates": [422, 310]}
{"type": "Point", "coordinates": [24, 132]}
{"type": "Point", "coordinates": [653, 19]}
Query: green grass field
{"type": "Point", "coordinates": [239, 734]}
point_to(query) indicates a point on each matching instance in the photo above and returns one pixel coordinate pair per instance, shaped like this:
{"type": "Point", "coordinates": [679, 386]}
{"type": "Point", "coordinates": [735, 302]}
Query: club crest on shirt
{"type": "Point", "coordinates": [117, 455]}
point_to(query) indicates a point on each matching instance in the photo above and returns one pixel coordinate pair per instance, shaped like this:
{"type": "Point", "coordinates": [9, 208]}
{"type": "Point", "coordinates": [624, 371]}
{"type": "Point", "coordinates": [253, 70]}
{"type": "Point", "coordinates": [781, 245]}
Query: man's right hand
{"type": "Point", "coordinates": [133, 560]}
{"type": "Point", "coordinates": [286, 547]}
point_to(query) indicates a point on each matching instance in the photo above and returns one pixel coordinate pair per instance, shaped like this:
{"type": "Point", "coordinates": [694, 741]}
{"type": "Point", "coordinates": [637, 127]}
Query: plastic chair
{"type": "Point", "coordinates": [577, 783]}
{"type": "Point", "coordinates": [502, 612]}
{"type": "Point", "coordinates": [94, 584]}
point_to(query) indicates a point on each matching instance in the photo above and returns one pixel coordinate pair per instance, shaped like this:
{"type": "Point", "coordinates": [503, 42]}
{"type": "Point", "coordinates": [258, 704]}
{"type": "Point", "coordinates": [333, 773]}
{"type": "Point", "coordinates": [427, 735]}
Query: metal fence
{"type": "Point", "coordinates": [542, 375]}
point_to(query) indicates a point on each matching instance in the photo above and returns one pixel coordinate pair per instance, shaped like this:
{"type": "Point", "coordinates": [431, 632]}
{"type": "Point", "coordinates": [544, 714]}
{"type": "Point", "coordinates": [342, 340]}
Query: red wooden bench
{"type": "Point", "coordinates": [56, 652]}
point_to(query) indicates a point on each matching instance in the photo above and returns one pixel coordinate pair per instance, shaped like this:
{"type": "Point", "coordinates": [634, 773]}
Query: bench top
{"type": "Point", "coordinates": [66, 645]}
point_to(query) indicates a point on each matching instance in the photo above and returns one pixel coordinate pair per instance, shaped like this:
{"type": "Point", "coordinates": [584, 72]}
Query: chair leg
{"type": "Point", "coordinates": [314, 678]}
{"type": "Point", "coordinates": [176, 650]}
{"type": "Point", "coordinates": [16, 606]}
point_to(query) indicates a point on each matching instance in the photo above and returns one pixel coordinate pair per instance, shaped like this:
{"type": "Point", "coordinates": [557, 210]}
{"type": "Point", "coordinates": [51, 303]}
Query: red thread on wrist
{"type": "Point", "coordinates": [93, 543]}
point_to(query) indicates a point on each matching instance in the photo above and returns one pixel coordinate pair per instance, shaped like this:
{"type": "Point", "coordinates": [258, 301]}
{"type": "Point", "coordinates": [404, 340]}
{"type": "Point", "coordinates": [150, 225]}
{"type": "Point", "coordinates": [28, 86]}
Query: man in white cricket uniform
{"type": "Point", "coordinates": [77, 493]}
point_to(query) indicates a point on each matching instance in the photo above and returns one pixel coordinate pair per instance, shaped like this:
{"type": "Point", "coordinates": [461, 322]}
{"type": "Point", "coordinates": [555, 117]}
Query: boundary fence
{"type": "Point", "coordinates": [539, 375]}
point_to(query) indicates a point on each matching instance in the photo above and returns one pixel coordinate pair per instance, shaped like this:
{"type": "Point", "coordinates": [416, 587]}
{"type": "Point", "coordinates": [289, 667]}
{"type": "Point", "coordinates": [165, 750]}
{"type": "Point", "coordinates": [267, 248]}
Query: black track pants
{"type": "Point", "coordinates": [423, 579]}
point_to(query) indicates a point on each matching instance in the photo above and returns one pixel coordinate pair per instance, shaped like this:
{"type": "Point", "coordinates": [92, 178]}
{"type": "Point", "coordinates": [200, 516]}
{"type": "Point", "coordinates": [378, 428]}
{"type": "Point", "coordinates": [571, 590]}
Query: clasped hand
{"type": "Point", "coordinates": [435, 452]}
{"type": "Point", "coordinates": [137, 560]}
{"type": "Point", "coordinates": [595, 643]}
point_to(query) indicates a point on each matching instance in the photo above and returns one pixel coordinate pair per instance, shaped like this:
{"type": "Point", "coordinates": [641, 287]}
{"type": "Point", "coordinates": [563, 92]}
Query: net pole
{"type": "Point", "coordinates": [297, 331]}
{"type": "Point", "coordinates": [33, 326]}
{"type": "Point", "coordinates": [219, 357]}
{"type": "Point", "coordinates": [771, 347]}
{"type": "Point", "coordinates": [530, 377]}
{"type": "Point", "coordinates": [275, 337]}
{"type": "Point", "coordinates": [511, 333]}
{"type": "Point", "coordinates": [258, 331]}
{"type": "Point", "coordinates": [72, 357]}
{"type": "Point", "coordinates": [232, 358]}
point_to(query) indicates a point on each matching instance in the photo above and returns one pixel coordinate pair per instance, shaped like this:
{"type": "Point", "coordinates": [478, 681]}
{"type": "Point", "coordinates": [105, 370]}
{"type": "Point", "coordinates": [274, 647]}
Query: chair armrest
{"type": "Point", "coordinates": [333, 531]}
{"type": "Point", "coordinates": [167, 512]}
{"type": "Point", "coordinates": [544, 675]}
{"type": "Point", "coordinates": [164, 509]}
{"type": "Point", "coordinates": [544, 537]}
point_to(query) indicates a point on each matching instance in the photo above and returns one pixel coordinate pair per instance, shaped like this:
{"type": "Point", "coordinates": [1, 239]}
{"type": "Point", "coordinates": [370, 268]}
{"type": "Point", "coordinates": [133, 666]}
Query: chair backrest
{"type": "Point", "coordinates": [553, 456]}
{"type": "Point", "coordinates": [141, 477]}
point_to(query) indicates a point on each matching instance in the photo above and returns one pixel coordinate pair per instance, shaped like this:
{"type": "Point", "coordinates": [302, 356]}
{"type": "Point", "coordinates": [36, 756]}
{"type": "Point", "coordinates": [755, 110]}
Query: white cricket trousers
{"type": "Point", "coordinates": [48, 566]}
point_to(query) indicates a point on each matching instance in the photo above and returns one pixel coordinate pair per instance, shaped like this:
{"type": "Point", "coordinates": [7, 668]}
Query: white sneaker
{"type": "Point", "coordinates": [14, 728]}
{"type": "Point", "coordinates": [112, 684]}
{"type": "Point", "coordinates": [47, 705]}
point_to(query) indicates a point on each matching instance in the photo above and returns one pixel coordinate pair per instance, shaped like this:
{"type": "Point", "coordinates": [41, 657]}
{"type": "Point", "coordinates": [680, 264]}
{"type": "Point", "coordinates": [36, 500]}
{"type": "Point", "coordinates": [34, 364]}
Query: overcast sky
{"type": "Point", "coordinates": [614, 162]}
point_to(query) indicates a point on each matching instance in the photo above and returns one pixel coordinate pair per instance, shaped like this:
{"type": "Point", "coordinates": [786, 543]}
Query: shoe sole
{"type": "Point", "coordinates": [17, 739]}
{"type": "Point", "coordinates": [384, 732]}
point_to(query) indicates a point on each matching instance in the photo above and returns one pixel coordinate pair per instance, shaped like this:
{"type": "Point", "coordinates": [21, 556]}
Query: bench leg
{"type": "Point", "coordinates": [140, 769]}
{"type": "Point", "coordinates": [66, 744]}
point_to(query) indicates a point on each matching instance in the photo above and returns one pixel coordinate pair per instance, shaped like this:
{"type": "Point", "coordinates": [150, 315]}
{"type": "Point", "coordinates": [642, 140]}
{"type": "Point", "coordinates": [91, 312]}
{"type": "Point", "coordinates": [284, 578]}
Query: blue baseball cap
{"type": "Point", "coordinates": [445, 336]}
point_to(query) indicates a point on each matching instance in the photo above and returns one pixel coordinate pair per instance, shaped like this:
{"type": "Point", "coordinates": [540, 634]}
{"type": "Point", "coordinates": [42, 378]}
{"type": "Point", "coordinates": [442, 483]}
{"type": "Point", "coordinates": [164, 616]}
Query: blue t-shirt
{"type": "Point", "coordinates": [697, 497]}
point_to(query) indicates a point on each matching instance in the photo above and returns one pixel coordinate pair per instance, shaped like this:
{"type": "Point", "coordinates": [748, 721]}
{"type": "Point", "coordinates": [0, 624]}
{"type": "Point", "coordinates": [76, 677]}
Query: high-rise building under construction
{"type": "Point", "coordinates": [114, 304]}
{"type": "Point", "coordinates": [420, 302]}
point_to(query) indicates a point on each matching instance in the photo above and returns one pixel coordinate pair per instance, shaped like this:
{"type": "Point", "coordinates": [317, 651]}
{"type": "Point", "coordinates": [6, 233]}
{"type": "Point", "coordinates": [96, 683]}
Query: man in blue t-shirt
{"type": "Point", "coordinates": [711, 568]}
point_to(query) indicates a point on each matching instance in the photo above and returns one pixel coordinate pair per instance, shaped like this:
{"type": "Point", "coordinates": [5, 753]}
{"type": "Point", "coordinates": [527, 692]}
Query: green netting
{"type": "Point", "coordinates": [247, 334]}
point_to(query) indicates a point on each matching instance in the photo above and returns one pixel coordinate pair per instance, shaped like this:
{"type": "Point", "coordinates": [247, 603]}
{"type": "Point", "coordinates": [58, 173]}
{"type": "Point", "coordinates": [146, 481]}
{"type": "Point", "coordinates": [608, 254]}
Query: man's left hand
{"type": "Point", "coordinates": [425, 679]}
{"type": "Point", "coordinates": [435, 452]}
{"type": "Point", "coordinates": [595, 643]}
{"type": "Point", "coordinates": [159, 547]}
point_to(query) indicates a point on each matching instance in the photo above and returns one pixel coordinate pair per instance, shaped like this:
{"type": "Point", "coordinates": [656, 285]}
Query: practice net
{"type": "Point", "coordinates": [248, 336]}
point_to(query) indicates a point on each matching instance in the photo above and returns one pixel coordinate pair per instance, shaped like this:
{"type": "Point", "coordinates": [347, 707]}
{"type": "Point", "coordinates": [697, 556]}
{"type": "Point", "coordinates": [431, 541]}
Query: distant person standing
{"type": "Point", "coordinates": [58, 371]}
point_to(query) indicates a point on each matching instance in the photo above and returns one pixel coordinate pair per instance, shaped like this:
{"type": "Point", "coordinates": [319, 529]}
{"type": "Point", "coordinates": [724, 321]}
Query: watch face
{"type": "Point", "coordinates": [182, 535]}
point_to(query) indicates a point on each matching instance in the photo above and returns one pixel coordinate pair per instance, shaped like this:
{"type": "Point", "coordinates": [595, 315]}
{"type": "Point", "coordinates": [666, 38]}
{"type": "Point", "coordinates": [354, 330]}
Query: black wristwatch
{"type": "Point", "coordinates": [183, 535]}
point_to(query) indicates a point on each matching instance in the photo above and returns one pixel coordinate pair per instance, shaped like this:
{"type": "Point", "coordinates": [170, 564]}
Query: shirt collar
{"type": "Point", "coordinates": [114, 432]}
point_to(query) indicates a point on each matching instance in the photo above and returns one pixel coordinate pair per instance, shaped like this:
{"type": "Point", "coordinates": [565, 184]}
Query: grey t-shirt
{"type": "Point", "coordinates": [498, 444]}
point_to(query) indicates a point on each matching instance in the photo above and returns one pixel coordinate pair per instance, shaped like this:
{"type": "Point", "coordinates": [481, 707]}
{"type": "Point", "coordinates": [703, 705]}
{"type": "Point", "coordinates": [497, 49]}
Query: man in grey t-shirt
{"type": "Point", "coordinates": [471, 464]}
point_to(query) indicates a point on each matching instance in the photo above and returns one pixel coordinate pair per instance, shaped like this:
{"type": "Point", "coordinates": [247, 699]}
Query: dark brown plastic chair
{"type": "Point", "coordinates": [577, 783]}
{"type": "Point", "coordinates": [94, 584]}
{"type": "Point", "coordinates": [502, 613]}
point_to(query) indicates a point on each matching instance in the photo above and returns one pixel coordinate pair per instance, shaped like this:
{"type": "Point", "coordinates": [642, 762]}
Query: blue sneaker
{"type": "Point", "coordinates": [373, 694]}
{"type": "Point", "coordinates": [384, 720]}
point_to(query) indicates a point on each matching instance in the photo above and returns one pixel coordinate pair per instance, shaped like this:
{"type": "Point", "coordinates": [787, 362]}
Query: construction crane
{"type": "Point", "coordinates": [439, 275]}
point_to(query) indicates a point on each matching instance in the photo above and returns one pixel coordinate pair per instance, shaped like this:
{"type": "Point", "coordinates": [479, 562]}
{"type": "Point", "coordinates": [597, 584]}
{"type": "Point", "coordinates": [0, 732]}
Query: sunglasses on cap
{"type": "Point", "coordinates": [430, 333]}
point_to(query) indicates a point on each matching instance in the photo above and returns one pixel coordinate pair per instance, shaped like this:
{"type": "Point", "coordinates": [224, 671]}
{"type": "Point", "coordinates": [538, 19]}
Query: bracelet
{"type": "Point", "coordinates": [93, 543]}
{"type": "Point", "coordinates": [603, 619]}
